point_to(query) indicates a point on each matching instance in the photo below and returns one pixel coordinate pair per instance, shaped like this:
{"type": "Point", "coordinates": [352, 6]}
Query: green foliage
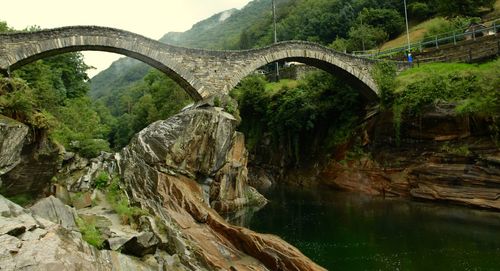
{"type": "Point", "coordinates": [389, 20]}
{"type": "Point", "coordinates": [127, 111]}
{"type": "Point", "coordinates": [4, 27]}
{"type": "Point", "coordinates": [339, 44]}
{"type": "Point", "coordinates": [419, 10]}
{"type": "Point", "coordinates": [80, 128]}
{"type": "Point", "coordinates": [51, 95]}
{"type": "Point", "coordinates": [363, 37]}
{"type": "Point", "coordinates": [473, 88]}
{"type": "Point", "coordinates": [462, 150]}
{"type": "Point", "coordinates": [119, 202]}
{"type": "Point", "coordinates": [101, 180]}
{"type": "Point", "coordinates": [293, 115]}
{"type": "Point", "coordinates": [384, 74]}
{"type": "Point", "coordinates": [442, 26]}
{"type": "Point", "coordinates": [461, 7]}
{"type": "Point", "coordinates": [89, 231]}
{"type": "Point", "coordinates": [315, 21]}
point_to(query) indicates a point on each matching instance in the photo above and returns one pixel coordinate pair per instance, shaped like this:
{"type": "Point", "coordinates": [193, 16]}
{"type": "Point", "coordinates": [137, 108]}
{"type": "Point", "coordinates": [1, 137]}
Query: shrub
{"type": "Point", "coordinates": [101, 180]}
{"type": "Point", "coordinates": [119, 202]}
{"type": "Point", "coordinates": [384, 74]}
{"type": "Point", "coordinates": [419, 10]}
{"type": "Point", "coordinates": [91, 148]}
{"type": "Point", "coordinates": [90, 233]}
{"type": "Point", "coordinates": [442, 26]}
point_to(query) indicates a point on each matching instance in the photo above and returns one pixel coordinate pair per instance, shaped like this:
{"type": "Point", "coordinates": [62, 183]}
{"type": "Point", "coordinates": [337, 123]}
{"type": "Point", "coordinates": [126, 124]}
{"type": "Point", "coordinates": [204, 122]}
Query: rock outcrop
{"type": "Point", "coordinates": [31, 243]}
{"type": "Point", "coordinates": [12, 138]}
{"type": "Point", "coordinates": [201, 144]}
{"type": "Point", "coordinates": [176, 170]}
{"type": "Point", "coordinates": [40, 161]}
{"type": "Point", "coordinates": [53, 209]}
{"type": "Point", "coordinates": [159, 168]}
{"type": "Point", "coordinates": [441, 157]}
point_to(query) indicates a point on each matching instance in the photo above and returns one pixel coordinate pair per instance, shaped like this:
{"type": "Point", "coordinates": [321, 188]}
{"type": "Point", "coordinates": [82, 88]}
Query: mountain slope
{"type": "Point", "coordinates": [222, 30]}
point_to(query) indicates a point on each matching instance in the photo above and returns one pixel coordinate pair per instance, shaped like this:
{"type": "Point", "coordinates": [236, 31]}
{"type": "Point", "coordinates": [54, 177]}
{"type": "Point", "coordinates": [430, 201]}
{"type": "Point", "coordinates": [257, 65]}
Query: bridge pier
{"type": "Point", "coordinates": [224, 101]}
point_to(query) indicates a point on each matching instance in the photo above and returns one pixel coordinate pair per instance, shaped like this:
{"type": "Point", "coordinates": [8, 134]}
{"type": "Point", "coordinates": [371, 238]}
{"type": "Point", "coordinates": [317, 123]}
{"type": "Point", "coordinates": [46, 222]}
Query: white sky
{"type": "Point", "coordinates": [150, 18]}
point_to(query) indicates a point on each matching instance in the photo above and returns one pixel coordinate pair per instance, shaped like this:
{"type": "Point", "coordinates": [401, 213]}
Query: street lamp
{"type": "Point", "coordinates": [407, 31]}
{"type": "Point", "coordinates": [275, 38]}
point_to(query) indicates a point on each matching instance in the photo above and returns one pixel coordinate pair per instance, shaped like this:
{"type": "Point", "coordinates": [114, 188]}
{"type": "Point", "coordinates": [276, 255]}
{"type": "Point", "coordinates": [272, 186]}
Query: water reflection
{"type": "Point", "coordinates": [347, 231]}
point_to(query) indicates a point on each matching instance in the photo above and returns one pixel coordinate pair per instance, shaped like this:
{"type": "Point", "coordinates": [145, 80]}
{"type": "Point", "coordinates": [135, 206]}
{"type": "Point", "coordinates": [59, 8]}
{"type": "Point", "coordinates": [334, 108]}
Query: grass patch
{"type": "Point", "coordinates": [417, 33]}
{"type": "Point", "coordinates": [101, 180]}
{"type": "Point", "coordinates": [473, 88]}
{"type": "Point", "coordinates": [462, 150]}
{"type": "Point", "coordinates": [119, 202]}
{"type": "Point", "coordinates": [21, 199]}
{"type": "Point", "coordinates": [274, 87]}
{"type": "Point", "coordinates": [424, 71]}
{"type": "Point", "coordinates": [90, 233]}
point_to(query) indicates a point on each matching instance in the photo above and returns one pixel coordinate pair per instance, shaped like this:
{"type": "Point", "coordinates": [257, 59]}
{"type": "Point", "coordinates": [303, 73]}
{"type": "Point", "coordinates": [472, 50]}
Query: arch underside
{"type": "Point", "coordinates": [367, 89]}
{"type": "Point", "coordinates": [192, 92]}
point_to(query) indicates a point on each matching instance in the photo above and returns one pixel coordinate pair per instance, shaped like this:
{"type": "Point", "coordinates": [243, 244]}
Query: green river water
{"type": "Point", "coordinates": [349, 231]}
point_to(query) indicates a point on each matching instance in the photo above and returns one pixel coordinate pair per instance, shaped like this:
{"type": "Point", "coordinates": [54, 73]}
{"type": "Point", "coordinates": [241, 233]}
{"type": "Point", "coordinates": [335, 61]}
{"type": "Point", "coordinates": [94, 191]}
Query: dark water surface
{"type": "Point", "coordinates": [349, 231]}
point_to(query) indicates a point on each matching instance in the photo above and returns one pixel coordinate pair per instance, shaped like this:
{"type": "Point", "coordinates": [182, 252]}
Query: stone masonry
{"type": "Point", "coordinates": [202, 73]}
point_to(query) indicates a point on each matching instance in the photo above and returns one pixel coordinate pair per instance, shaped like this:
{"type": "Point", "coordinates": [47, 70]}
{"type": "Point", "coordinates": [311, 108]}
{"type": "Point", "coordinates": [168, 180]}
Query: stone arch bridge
{"type": "Point", "coordinates": [202, 73]}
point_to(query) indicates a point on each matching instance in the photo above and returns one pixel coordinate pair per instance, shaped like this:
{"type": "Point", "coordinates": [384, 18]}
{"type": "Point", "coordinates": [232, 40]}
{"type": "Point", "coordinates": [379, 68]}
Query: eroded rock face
{"type": "Point", "coordinates": [442, 157]}
{"type": "Point", "coordinates": [201, 144]}
{"type": "Point", "coordinates": [40, 160]}
{"type": "Point", "coordinates": [158, 170]}
{"type": "Point", "coordinates": [12, 138]}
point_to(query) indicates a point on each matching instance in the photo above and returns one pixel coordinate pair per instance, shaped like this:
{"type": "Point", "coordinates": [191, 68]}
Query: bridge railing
{"type": "Point", "coordinates": [434, 41]}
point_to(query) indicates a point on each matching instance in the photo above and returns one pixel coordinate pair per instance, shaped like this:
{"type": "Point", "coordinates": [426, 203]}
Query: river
{"type": "Point", "coordinates": [350, 231]}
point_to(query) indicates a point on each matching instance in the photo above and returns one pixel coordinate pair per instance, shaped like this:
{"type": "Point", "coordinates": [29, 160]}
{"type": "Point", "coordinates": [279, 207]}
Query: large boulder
{"type": "Point", "coordinates": [53, 209]}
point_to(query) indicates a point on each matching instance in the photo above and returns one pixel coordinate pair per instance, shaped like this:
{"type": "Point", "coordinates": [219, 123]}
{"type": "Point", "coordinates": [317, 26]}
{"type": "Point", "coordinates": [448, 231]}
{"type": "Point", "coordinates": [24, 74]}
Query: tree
{"type": "Point", "coordinates": [419, 10]}
{"type": "Point", "coordinates": [4, 27]}
{"type": "Point", "coordinates": [461, 7]}
{"type": "Point", "coordinates": [363, 37]}
{"type": "Point", "coordinates": [339, 44]}
{"type": "Point", "coordinates": [388, 20]}
{"type": "Point", "coordinates": [245, 41]}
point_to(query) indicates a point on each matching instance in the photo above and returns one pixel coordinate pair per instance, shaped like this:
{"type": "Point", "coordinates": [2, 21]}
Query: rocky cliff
{"type": "Point", "coordinates": [442, 157]}
{"type": "Point", "coordinates": [162, 169]}
{"type": "Point", "coordinates": [153, 203]}
{"type": "Point", "coordinates": [28, 161]}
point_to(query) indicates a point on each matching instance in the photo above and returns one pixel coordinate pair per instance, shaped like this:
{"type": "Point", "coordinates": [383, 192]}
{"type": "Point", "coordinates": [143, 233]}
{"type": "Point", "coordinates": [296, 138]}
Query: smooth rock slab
{"type": "Point", "coordinates": [53, 209]}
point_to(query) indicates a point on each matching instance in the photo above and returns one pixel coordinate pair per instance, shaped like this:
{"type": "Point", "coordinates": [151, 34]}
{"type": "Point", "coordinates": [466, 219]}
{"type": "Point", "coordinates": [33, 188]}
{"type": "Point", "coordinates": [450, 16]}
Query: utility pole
{"type": "Point", "coordinates": [275, 39]}
{"type": "Point", "coordinates": [407, 31]}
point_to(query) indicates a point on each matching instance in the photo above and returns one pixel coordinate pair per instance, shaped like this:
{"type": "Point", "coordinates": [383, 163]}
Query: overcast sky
{"type": "Point", "coordinates": [150, 18]}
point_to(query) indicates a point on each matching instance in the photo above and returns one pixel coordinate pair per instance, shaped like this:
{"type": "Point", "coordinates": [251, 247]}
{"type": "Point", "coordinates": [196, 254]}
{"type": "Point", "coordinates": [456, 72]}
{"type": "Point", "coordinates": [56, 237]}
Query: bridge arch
{"type": "Point", "coordinates": [356, 71]}
{"type": "Point", "coordinates": [21, 48]}
{"type": "Point", "coordinates": [202, 73]}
